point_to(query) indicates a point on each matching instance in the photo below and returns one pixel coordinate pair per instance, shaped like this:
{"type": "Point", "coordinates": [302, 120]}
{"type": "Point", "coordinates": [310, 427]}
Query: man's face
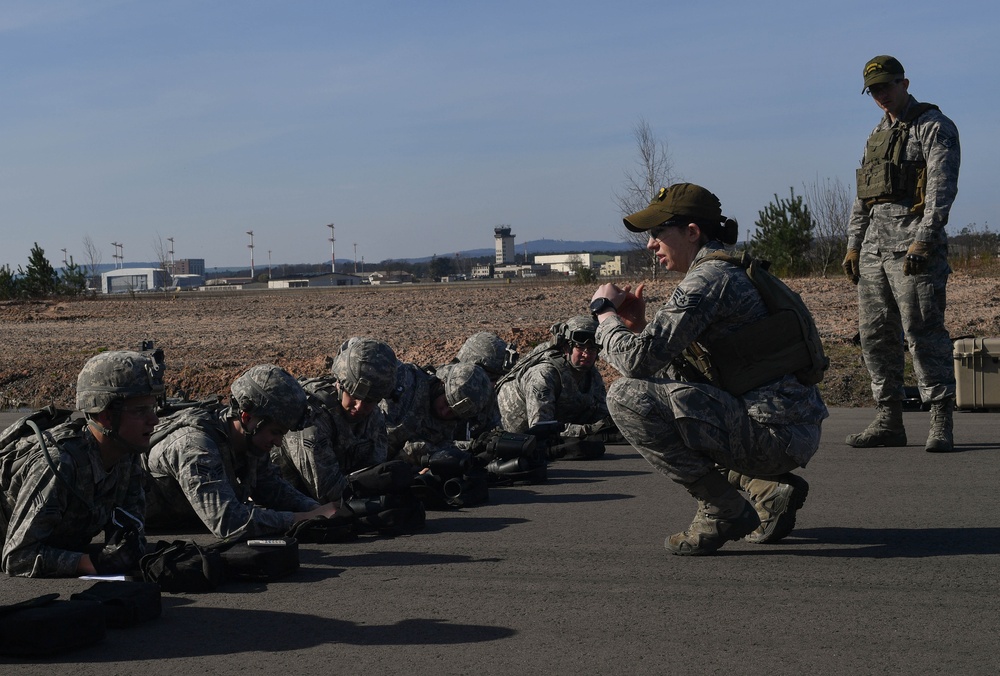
{"type": "Point", "coordinates": [583, 356]}
{"type": "Point", "coordinates": [138, 418]}
{"type": "Point", "coordinates": [440, 408]}
{"type": "Point", "coordinates": [356, 409]}
{"type": "Point", "coordinates": [266, 434]}
{"type": "Point", "coordinates": [891, 97]}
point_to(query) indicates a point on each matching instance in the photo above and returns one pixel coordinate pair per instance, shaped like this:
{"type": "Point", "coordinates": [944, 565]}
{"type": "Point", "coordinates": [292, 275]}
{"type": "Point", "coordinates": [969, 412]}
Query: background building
{"type": "Point", "coordinates": [504, 245]}
{"type": "Point", "coordinates": [126, 280]}
{"type": "Point", "coordinates": [187, 266]}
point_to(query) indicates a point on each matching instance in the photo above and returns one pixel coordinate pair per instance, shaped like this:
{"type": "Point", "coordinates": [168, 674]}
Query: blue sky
{"type": "Point", "coordinates": [416, 127]}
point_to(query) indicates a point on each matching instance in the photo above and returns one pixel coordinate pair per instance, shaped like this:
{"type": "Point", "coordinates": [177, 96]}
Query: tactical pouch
{"type": "Point", "coordinates": [183, 566]}
{"type": "Point", "coordinates": [388, 514]}
{"type": "Point", "coordinates": [125, 603]}
{"type": "Point", "coordinates": [324, 530]}
{"type": "Point", "coordinates": [45, 626]}
{"type": "Point", "coordinates": [243, 561]}
{"type": "Point", "coordinates": [387, 478]}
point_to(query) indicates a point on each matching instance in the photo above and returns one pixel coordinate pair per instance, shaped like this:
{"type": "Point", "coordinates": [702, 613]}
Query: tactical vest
{"type": "Point", "coordinates": [786, 342]}
{"type": "Point", "coordinates": [885, 175]}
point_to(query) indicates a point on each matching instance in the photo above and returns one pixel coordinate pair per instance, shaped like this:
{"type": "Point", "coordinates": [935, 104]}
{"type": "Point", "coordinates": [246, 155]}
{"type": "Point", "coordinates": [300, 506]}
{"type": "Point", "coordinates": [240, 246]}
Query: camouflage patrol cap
{"type": "Point", "coordinates": [679, 201]}
{"type": "Point", "coordinates": [467, 389]}
{"type": "Point", "coordinates": [366, 369]}
{"type": "Point", "coordinates": [269, 391]}
{"type": "Point", "coordinates": [115, 376]}
{"type": "Point", "coordinates": [581, 330]}
{"type": "Point", "coordinates": [882, 69]}
{"type": "Point", "coordinates": [488, 351]}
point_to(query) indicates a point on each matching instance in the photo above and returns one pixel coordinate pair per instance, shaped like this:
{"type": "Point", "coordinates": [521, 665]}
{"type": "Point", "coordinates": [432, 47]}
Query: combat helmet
{"type": "Point", "coordinates": [578, 330]}
{"type": "Point", "coordinates": [467, 389]}
{"type": "Point", "coordinates": [270, 392]}
{"type": "Point", "coordinates": [366, 369]}
{"type": "Point", "coordinates": [112, 377]}
{"type": "Point", "coordinates": [488, 351]}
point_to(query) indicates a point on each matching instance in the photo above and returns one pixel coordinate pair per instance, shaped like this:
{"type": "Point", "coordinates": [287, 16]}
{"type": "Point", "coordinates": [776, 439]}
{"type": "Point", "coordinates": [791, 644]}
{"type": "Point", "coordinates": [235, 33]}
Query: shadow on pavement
{"type": "Point", "coordinates": [887, 543]}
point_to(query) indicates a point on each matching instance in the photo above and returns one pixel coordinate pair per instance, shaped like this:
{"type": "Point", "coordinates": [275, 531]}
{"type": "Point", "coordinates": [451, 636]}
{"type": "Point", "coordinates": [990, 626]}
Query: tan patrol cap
{"type": "Point", "coordinates": [679, 201]}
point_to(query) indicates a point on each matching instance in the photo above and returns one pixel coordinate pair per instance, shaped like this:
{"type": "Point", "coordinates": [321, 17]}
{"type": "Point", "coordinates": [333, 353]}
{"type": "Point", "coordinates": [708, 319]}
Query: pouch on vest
{"type": "Point", "coordinates": [125, 603]}
{"type": "Point", "coordinates": [46, 626]}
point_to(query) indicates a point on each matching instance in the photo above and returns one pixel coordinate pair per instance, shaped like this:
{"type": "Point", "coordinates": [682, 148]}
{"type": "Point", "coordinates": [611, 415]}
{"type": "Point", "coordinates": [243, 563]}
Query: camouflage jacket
{"type": "Point", "coordinates": [48, 524]}
{"type": "Point", "coordinates": [551, 389]}
{"type": "Point", "coordinates": [715, 298]}
{"type": "Point", "coordinates": [891, 227]}
{"type": "Point", "coordinates": [317, 459]}
{"type": "Point", "coordinates": [194, 472]}
{"type": "Point", "coordinates": [413, 431]}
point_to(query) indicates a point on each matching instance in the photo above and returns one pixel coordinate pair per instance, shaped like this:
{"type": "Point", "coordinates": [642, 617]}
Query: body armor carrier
{"type": "Point", "coordinates": [885, 175]}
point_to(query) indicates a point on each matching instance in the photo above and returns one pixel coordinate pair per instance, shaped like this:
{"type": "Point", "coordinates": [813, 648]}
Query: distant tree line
{"type": "Point", "coordinates": [41, 280]}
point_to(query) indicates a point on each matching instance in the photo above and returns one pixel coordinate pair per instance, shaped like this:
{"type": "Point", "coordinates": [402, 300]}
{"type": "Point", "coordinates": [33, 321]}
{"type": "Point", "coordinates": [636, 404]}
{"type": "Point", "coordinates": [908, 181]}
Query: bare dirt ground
{"type": "Point", "coordinates": [211, 337]}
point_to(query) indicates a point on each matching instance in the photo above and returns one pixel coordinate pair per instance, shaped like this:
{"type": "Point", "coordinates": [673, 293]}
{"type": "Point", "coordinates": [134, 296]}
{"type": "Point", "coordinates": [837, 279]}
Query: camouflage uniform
{"type": "Point", "coordinates": [486, 420]}
{"type": "Point", "coordinates": [891, 303]}
{"type": "Point", "coordinates": [552, 390]}
{"type": "Point", "coordinates": [195, 474]}
{"type": "Point", "coordinates": [48, 525]}
{"type": "Point", "coordinates": [318, 459]}
{"type": "Point", "coordinates": [685, 428]}
{"type": "Point", "coordinates": [414, 433]}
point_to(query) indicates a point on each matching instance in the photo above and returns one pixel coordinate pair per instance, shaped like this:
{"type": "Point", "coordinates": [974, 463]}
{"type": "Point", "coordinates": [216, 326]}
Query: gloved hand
{"type": "Point", "coordinates": [852, 265]}
{"type": "Point", "coordinates": [124, 544]}
{"type": "Point", "coordinates": [915, 262]}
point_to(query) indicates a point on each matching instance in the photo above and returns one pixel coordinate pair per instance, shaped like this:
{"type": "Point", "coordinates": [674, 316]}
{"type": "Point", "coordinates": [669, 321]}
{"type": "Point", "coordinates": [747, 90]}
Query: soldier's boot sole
{"type": "Point", "coordinates": [694, 542]}
{"type": "Point", "coordinates": [777, 513]}
{"type": "Point", "coordinates": [873, 439]}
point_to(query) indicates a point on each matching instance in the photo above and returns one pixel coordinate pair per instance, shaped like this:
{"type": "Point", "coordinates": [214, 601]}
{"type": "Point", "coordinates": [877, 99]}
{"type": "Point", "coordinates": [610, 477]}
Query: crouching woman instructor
{"type": "Point", "coordinates": [711, 442]}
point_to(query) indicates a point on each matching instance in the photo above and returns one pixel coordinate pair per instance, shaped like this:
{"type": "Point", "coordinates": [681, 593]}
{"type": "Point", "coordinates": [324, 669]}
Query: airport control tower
{"type": "Point", "coordinates": [505, 245]}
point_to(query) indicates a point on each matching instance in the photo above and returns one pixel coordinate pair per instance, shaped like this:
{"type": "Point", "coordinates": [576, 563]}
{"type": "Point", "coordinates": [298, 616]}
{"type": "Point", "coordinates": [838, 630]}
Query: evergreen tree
{"type": "Point", "coordinates": [784, 235]}
{"type": "Point", "coordinates": [9, 286]}
{"type": "Point", "coordinates": [74, 279]}
{"type": "Point", "coordinates": [40, 279]}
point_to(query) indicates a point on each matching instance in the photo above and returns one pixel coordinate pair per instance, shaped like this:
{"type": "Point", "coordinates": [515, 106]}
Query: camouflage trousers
{"type": "Point", "coordinates": [894, 307]}
{"type": "Point", "coordinates": [684, 430]}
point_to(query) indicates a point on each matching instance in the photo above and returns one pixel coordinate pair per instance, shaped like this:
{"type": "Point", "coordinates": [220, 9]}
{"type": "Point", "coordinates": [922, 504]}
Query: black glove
{"type": "Point", "coordinates": [124, 544]}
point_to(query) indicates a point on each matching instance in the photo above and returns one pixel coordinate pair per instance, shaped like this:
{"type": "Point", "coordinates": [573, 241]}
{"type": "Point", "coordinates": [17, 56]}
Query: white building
{"type": "Point", "coordinates": [568, 263]}
{"type": "Point", "coordinates": [504, 245]}
{"type": "Point", "coordinates": [130, 280]}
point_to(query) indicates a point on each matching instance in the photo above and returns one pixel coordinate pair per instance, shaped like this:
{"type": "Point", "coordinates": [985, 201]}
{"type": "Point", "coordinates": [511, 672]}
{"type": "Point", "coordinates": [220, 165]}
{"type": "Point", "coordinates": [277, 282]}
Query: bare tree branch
{"type": "Point", "coordinates": [830, 202]}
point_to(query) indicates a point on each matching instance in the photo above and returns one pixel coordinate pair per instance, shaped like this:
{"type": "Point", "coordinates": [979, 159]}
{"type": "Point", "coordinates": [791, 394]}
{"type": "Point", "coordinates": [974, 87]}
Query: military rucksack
{"type": "Point", "coordinates": [32, 431]}
{"type": "Point", "coordinates": [173, 416]}
{"type": "Point", "coordinates": [785, 342]}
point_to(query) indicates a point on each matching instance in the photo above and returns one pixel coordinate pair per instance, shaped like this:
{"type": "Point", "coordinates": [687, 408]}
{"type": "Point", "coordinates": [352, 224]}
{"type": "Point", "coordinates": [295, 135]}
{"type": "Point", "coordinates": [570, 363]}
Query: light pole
{"type": "Point", "coordinates": [269, 266]}
{"type": "Point", "coordinates": [355, 257]}
{"type": "Point", "coordinates": [116, 256]}
{"type": "Point", "coordinates": [171, 240]}
{"type": "Point", "coordinates": [65, 262]}
{"type": "Point", "coordinates": [250, 246]}
{"type": "Point", "coordinates": [333, 255]}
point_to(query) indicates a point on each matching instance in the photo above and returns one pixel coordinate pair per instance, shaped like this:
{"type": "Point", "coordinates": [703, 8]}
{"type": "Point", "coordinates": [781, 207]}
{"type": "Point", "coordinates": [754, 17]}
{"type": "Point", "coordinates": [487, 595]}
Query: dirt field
{"type": "Point", "coordinates": [211, 337]}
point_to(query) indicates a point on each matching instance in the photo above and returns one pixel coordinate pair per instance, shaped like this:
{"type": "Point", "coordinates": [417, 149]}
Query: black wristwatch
{"type": "Point", "coordinates": [599, 306]}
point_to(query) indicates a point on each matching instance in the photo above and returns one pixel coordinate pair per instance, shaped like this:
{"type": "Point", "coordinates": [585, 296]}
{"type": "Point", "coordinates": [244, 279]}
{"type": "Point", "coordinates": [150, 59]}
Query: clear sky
{"type": "Point", "coordinates": [417, 126]}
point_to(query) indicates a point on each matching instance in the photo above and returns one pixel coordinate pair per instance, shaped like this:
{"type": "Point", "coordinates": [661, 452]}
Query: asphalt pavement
{"type": "Point", "coordinates": [892, 569]}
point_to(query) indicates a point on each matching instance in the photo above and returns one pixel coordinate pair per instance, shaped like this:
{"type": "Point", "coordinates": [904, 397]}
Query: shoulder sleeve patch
{"type": "Point", "coordinates": [682, 300]}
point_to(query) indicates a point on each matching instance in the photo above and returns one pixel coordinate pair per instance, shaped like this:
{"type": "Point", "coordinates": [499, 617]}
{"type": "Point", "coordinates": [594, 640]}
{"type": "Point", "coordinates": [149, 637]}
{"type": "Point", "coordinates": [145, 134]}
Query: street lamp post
{"type": "Point", "coordinates": [333, 255]}
{"type": "Point", "coordinates": [250, 246]}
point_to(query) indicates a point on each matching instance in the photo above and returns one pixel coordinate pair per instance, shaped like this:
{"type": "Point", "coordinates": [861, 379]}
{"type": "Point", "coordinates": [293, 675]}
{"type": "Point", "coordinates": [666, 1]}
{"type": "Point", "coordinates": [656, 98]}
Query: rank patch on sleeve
{"type": "Point", "coordinates": [681, 300]}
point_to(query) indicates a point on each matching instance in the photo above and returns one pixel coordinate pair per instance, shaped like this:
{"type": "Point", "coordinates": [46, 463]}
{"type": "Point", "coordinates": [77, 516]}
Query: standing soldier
{"type": "Point", "coordinates": [897, 255]}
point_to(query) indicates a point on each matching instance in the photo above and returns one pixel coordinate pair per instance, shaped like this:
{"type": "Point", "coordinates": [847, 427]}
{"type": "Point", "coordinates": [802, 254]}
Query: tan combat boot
{"type": "Point", "coordinates": [886, 430]}
{"type": "Point", "coordinates": [723, 514]}
{"type": "Point", "coordinates": [941, 438]}
{"type": "Point", "coordinates": [776, 500]}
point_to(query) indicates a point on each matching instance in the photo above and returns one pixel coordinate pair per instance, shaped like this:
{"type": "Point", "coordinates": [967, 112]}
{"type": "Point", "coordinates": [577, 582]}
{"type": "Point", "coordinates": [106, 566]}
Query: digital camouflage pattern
{"type": "Point", "coordinates": [114, 376]}
{"type": "Point", "coordinates": [488, 351]}
{"type": "Point", "coordinates": [47, 525]}
{"type": "Point", "coordinates": [318, 459]}
{"type": "Point", "coordinates": [366, 369]}
{"type": "Point", "coordinates": [544, 387]}
{"type": "Point", "coordinates": [891, 303]}
{"type": "Point", "coordinates": [467, 389]}
{"type": "Point", "coordinates": [268, 391]}
{"type": "Point", "coordinates": [194, 474]}
{"type": "Point", "coordinates": [684, 428]}
{"type": "Point", "coordinates": [414, 433]}
{"type": "Point", "coordinates": [487, 419]}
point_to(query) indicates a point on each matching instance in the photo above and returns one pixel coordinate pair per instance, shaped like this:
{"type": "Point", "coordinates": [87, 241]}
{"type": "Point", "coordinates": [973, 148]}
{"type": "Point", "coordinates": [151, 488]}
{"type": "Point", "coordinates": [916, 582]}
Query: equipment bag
{"type": "Point", "coordinates": [44, 626]}
{"type": "Point", "coordinates": [125, 603]}
{"type": "Point", "coordinates": [183, 566]}
{"type": "Point", "coordinates": [261, 562]}
{"type": "Point", "coordinates": [324, 530]}
{"type": "Point", "coordinates": [388, 514]}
